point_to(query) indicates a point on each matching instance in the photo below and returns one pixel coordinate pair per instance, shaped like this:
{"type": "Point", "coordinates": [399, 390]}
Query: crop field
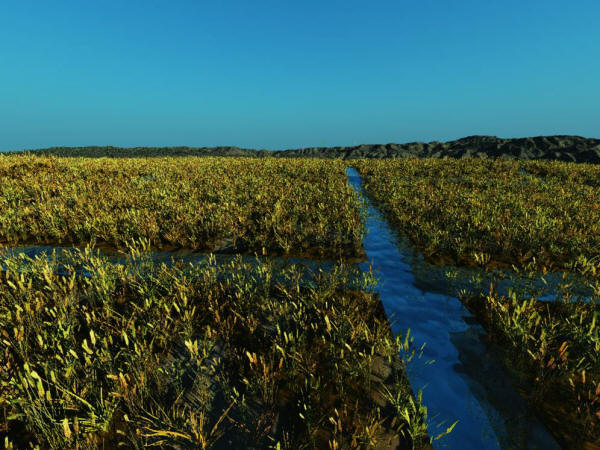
{"type": "Point", "coordinates": [533, 216]}
{"type": "Point", "coordinates": [490, 212]}
{"type": "Point", "coordinates": [553, 348]}
{"type": "Point", "coordinates": [251, 353]}
{"type": "Point", "coordinates": [242, 205]}
{"type": "Point", "coordinates": [98, 354]}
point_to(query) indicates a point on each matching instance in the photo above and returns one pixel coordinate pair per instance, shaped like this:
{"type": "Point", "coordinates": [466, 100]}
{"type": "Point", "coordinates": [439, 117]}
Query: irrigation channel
{"type": "Point", "coordinates": [461, 378]}
{"type": "Point", "coordinates": [465, 382]}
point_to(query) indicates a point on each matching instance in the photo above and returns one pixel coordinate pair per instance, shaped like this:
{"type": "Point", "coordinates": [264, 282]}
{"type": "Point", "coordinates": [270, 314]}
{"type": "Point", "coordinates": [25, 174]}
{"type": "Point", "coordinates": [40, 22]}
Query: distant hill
{"type": "Point", "coordinates": [136, 152]}
{"type": "Point", "coordinates": [564, 148]}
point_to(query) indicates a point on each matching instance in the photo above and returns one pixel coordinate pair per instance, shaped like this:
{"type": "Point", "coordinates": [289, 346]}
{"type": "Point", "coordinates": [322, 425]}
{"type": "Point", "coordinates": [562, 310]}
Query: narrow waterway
{"type": "Point", "coordinates": [465, 382]}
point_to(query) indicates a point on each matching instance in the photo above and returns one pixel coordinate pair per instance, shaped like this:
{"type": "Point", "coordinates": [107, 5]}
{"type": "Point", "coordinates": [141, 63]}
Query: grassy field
{"type": "Point", "coordinates": [490, 212]}
{"type": "Point", "coordinates": [302, 207]}
{"type": "Point", "coordinates": [553, 349]}
{"type": "Point", "coordinates": [97, 354]}
{"type": "Point", "coordinates": [533, 216]}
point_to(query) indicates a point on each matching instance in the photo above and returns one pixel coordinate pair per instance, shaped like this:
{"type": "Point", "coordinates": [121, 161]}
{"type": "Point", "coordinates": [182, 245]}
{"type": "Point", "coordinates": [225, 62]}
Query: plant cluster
{"type": "Point", "coordinates": [97, 354]}
{"type": "Point", "coordinates": [533, 217]}
{"type": "Point", "coordinates": [553, 349]}
{"type": "Point", "coordinates": [490, 212]}
{"type": "Point", "coordinates": [243, 204]}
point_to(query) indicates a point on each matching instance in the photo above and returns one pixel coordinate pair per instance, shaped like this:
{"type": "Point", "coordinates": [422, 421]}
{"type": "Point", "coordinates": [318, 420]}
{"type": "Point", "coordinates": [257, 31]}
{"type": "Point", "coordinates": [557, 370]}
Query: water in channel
{"type": "Point", "coordinates": [465, 382]}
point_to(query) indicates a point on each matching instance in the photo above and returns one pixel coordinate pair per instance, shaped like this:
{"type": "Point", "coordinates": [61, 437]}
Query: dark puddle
{"type": "Point", "coordinates": [466, 382]}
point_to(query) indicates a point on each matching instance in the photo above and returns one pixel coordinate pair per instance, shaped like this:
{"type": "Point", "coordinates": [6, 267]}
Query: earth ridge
{"type": "Point", "coordinates": [560, 147]}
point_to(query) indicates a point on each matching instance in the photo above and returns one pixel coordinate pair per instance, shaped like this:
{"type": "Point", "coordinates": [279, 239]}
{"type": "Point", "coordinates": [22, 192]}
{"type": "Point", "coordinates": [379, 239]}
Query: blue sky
{"type": "Point", "coordinates": [282, 74]}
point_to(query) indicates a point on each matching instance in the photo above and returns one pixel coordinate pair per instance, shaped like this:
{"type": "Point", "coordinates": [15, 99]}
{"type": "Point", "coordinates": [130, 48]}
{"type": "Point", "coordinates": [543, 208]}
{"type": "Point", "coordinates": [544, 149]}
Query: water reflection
{"type": "Point", "coordinates": [466, 382]}
{"type": "Point", "coordinates": [451, 280]}
{"type": "Point", "coordinates": [306, 269]}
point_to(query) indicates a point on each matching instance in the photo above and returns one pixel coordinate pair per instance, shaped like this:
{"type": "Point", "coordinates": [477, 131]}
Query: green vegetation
{"type": "Point", "coordinates": [243, 205]}
{"type": "Point", "coordinates": [530, 216]}
{"type": "Point", "coordinates": [553, 348]}
{"type": "Point", "coordinates": [96, 355]}
{"type": "Point", "coordinates": [494, 212]}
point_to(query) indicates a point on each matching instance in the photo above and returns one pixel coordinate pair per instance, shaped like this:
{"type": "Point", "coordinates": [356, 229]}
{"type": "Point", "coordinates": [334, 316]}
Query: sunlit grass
{"type": "Point", "coordinates": [96, 354]}
{"type": "Point", "coordinates": [528, 216]}
{"type": "Point", "coordinates": [553, 348]}
{"type": "Point", "coordinates": [486, 212]}
{"type": "Point", "coordinates": [242, 204]}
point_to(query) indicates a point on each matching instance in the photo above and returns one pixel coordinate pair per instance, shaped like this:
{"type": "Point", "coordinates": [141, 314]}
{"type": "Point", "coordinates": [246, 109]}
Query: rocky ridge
{"type": "Point", "coordinates": [564, 148]}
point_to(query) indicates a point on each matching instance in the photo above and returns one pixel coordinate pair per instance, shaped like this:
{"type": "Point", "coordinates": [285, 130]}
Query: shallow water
{"type": "Point", "coordinates": [159, 257]}
{"type": "Point", "coordinates": [465, 383]}
{"type": "Point", "coordinates": [450, 280]}
{"type": "Point", "coordinates": [306, 268]}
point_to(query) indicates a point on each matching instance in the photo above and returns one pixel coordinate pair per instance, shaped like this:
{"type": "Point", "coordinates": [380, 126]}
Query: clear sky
{"type": "Point", "coordinates": [283, 74]}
